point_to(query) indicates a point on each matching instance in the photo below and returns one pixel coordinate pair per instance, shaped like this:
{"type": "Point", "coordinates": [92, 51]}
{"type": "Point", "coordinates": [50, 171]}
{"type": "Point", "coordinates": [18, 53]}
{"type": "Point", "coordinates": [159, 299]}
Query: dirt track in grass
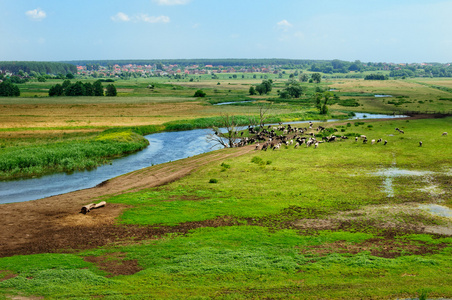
{"type": "Point", "coordinates": [54, 224]}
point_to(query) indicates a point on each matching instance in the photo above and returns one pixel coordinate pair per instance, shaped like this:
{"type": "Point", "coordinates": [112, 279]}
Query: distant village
{"type": "Point", "coordinates": [164, 70]}
{"type": "Point", "coordinates": [150, 70]}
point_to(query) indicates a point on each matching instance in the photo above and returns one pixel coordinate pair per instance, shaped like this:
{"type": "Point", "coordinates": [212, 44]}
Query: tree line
{"type": "Point", "coordinates": [41, 67]}
{"type": "Point", "coordinates": [82, 89]}
{"type": "Point", "coordinates": [375, 77]}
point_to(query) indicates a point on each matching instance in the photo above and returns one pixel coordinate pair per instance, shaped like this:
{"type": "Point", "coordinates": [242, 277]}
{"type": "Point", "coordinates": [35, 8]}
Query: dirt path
{"type": "Point", "coordinates": [54, 224]}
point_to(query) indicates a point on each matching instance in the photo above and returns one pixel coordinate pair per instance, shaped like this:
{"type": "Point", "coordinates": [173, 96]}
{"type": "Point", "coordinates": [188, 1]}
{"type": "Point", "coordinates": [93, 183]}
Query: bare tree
{"type": "Point", "coordinates": [263, 115]}
{"type": "Point", "coordinates": [227, 134]}
{"type": "Point", "coordinates": [262, 118]}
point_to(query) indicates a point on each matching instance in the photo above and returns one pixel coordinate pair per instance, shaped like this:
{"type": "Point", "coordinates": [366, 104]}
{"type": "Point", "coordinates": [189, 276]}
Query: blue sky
{"type": "Point", "coordinates": [371, 31]}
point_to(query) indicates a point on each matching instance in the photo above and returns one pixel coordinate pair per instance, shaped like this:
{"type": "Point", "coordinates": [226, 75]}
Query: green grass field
{"type": "Point", "coordinates": [287, 224]}
{"type": "Point", "coordinates": [293, 224]}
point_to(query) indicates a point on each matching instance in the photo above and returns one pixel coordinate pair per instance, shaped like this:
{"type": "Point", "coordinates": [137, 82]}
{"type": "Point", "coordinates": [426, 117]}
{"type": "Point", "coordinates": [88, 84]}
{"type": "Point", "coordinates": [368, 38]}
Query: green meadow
{"type": "Point", "coordinates": [293, 223]}
{"type": "Point", "coordinates": [305, 223]}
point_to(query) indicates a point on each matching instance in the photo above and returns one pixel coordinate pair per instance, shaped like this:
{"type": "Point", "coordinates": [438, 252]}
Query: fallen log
{"type": "Point", "coordinates": [85, 209]}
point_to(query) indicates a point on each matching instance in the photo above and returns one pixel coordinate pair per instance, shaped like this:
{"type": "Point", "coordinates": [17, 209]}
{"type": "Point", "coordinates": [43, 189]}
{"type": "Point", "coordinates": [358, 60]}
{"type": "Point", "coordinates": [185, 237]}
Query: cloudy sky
{"type": "Point", "coordinates": [370, 31]}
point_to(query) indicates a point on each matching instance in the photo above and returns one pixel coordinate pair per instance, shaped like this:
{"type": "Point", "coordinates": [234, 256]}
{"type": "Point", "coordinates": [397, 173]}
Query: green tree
{"type": "Point", "coordinates": [318, 100]}
{"type": "Point", "coordinates": [260, 89]}
{"type": "Point", "coordinates": [76, 89]}
{"type": "Point", "coordinates": [265, 87]}
{"type": "Point", "coordinates": [56, 90]}
{"type": "Point", "coordinates": [252, 90]}
{"type": "Point", "coordinates": [98, 88]}
{"type": "Point", "coordinates": [323, 109]}
{"type": "Point", "coordinates": [66, 84]}
{"type": "Point", "coordinates": [111, 91]}
{"type": "Point", "coordinates": [303, 77]}
{"type": "Point", "coordinates": [199, 93]}
{"type": "Point", "coordinates": [89, 89]}
{"type": "Point", "coordinates": [293, 89]}
{"type": "Point", "coordinates": [7, 89]}
{"type": "Point", "coordinates": [316, 77]}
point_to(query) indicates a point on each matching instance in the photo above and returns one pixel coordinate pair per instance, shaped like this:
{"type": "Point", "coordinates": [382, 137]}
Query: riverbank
{"type": "Point", "coordinates": [57, 218]}
{"type": "Point", "coordinates": [299, 222]}
{"type": "Point", "coordinates": [164, 147]}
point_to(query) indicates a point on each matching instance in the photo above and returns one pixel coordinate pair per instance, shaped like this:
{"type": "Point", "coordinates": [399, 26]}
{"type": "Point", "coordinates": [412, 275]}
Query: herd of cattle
{"type": "Point", "coordinates": [273, 137]}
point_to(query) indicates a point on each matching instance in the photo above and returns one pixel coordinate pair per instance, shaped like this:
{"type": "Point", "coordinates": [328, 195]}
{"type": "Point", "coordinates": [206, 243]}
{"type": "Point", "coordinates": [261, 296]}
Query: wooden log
{"type": "Point", "coordinates": [85, 209]}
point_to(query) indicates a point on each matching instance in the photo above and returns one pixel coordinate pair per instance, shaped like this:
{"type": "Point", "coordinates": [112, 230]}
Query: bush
{"type": "Point", "coordinates": [213, 180]}
{"type": "Point", "coordinates": [200, 93]}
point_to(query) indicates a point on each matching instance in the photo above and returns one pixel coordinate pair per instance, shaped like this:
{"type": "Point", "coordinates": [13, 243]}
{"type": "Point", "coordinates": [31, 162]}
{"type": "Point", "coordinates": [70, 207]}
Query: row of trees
{"type": "Point", "coordinates": [24, 77]}
{"type": "Point", "coordinates": [82, 89]}
{"type": "Point", "coordinates": [375, 77]}
{"type": "Point", "coordinates": [8, 89]}
{"type": "Point", "coordinates": [41, 67]}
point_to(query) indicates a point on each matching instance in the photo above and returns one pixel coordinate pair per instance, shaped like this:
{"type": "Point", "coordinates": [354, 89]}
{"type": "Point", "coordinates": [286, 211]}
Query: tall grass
{"type": "Point", "coordinates": [68, 156]}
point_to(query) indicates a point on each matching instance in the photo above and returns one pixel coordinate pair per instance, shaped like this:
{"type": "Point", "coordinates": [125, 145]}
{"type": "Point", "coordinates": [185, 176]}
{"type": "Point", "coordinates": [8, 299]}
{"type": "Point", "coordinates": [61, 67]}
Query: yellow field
{"type": "Point", "coordinates": [99, 114]}
{"type": "Point", "coordinates": [142, 106]}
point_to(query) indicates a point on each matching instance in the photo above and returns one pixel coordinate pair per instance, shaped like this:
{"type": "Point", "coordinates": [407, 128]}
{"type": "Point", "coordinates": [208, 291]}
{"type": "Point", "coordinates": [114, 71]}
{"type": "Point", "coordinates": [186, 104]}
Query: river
{"type": "Point", "coordinates": [163, 147]}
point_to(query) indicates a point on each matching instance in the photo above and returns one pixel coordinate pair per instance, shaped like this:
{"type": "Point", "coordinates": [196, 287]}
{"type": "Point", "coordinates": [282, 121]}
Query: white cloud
{"type": "Point", "coordinates": [284, 25]}
{"type": "Point", "coordinates": [36, 14]}
{"type": "Point", "coordinates": [171, 2]}
{"type": "Point", "coordinates": [120, 17]}
{"type": "Point", "coordinates": [152, 19]}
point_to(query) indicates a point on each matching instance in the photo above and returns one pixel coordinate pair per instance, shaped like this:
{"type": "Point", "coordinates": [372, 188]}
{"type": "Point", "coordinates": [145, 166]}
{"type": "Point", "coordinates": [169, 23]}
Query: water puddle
{"type": "Point", "coordinates": [433, 190]}
{"type": "Point", "coordinates": [396, 172]}
{"type": "Point", "coordinates": [391, 173]}
{"type": "Point", "coordinates": [234, 102]}
{"type": "Point", "coordinates": [437, 210]}
{"type": "Point", "coordinates": [382, 96]}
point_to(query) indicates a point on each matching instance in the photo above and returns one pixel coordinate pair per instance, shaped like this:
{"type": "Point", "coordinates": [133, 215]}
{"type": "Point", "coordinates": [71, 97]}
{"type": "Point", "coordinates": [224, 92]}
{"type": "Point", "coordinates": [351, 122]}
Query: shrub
{"type": "Point", "coordinates": [213, 180]}
{"type": "Point", "coordinates": [226, 166]}
{"type": "Point", "coordinates": [200, 93]}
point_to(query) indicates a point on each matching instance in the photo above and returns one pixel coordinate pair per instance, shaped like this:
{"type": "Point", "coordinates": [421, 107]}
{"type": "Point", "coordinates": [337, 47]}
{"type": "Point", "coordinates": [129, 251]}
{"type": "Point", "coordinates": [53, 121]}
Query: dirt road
{"type": "Point", "coordinates": [54, 224]}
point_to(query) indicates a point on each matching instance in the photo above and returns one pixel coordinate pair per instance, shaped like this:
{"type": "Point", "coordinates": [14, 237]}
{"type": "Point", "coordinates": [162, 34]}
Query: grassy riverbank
{"type": "Point", "coordinates": [30, 157]}
{"type": "Point", "coordinates": [52, 150]}
{"type": "Point", "coordinates": [292, 223]}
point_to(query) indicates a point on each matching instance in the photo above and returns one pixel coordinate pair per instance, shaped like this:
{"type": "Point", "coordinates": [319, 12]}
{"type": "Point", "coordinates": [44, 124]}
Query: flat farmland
{"type": "Point", "coordinates": [403, 95]}
{"type": "Point", "coordinates": [97, 114]}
